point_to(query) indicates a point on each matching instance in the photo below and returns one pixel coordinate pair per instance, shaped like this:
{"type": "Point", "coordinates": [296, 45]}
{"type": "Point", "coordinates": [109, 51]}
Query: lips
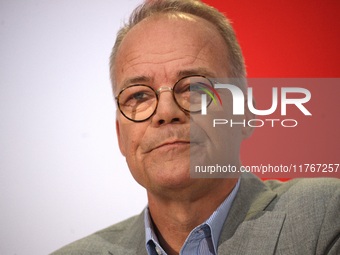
{"type": "Point", "coordinates": [171, 144]}
{"type": "Point", "coordinates": [170, 137]}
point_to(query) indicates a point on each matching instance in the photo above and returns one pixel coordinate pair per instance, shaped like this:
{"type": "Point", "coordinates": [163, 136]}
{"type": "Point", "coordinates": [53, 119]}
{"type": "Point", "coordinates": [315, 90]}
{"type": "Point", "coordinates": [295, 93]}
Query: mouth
{"type": "Point", "coordinates": [172, 145]}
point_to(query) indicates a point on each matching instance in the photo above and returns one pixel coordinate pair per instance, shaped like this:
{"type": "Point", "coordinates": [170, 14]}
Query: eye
{"type": "Point", "coordinates": [197, 86]}
{"type": "Point", "coordinates": [138, 98]}
{"type": "Point", "coordinates": [136, 95]}
{"type": "Point", "coordinates": [187, 87]}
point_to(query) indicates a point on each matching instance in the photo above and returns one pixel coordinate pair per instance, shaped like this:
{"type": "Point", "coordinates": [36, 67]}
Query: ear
{"type": "Point", "coordinates": [120, 139]}
{"type": "Point", "coordinates": [247, 130]}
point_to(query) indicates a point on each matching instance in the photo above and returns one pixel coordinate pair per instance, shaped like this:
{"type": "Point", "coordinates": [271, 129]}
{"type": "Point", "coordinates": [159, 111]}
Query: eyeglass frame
{"type": "Point", "coordinates": [157, 93]}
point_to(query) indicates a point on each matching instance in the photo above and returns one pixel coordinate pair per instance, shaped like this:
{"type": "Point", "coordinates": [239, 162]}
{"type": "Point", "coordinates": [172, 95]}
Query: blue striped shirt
{"type": "Point", "coordinates": [202, 240]}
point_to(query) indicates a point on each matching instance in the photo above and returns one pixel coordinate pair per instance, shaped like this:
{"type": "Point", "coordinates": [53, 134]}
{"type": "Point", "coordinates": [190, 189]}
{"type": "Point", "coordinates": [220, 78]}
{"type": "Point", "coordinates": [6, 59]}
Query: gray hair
{"type": "Point", "coordinates": [236, 68]}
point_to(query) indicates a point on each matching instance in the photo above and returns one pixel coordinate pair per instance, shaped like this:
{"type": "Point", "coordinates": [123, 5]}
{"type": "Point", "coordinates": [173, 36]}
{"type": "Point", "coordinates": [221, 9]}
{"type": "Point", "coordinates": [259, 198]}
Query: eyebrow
{"type": "Point", "coordinates": [196, 71]}
{"type": "Point", "coordinates": [142, 79]}
{"type": "Point", "coordinates": [135, 80]}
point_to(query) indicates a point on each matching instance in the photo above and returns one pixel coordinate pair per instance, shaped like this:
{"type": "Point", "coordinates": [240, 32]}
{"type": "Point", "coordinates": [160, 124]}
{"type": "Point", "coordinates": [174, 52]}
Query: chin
{"type": "Point", "coordinates": [172, 179]}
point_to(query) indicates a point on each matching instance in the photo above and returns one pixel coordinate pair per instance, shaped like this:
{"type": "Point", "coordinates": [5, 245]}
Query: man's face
{"type": "Point", "coordinates": [157, 52]}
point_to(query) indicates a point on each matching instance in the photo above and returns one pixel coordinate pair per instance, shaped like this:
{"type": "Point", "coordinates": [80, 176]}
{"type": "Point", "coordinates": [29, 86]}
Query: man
{"type": "Point", "coordinates": [166, 48]}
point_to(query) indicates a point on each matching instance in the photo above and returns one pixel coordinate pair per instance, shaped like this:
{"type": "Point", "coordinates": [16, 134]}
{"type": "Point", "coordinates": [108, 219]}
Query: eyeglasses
{"type": "Point", "coordinates": [139, 102]}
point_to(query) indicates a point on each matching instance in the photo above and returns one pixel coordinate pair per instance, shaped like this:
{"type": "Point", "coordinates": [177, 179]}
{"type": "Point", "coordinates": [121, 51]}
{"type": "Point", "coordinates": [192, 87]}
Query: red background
{"type": "Point", "coordinates": [291, 39]}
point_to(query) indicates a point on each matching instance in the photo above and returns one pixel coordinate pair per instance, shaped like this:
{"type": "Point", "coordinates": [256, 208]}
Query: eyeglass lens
{"type": "Point", "coordinates": [139, 102]}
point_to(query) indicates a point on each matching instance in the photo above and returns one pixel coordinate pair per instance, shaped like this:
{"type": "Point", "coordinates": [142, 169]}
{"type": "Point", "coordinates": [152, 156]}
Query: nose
{"type": "Point", "coordinates": [167, 109]}
{"type": "Point", "coordinates": [163, 89]}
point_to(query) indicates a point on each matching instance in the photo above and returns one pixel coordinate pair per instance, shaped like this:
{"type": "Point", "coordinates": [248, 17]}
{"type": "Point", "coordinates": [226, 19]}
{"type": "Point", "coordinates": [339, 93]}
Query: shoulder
{"type": "Point", "coordinates": [311, 189]}
{"type": "Point", "coordinates": [102, 242]}
{"type": "Point", "coordinates": [311, 208]}
{"type": "Point", "coordinates": [292, 194]}
{"type": "Point", "coordinates": [121, 229]}
{"type": "Point", "coordinates": [313, 195]}
{"type": "Point", "coordinates": [323, 185]}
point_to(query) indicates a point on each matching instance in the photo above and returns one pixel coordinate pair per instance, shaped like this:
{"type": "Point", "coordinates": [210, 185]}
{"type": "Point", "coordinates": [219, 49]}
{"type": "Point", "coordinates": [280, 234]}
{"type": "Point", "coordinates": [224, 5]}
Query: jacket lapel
{"type": "Point", "coordinates": [249, 229]}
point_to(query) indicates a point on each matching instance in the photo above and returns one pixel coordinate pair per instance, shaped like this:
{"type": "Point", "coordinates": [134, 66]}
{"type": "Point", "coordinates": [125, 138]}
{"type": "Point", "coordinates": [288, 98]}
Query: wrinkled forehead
{"type": "Point", "coordinates": [156, 35]}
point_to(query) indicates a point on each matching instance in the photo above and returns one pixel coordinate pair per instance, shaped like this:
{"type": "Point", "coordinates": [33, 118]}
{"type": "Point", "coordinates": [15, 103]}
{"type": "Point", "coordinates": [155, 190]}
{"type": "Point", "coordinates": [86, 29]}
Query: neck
{"type": "Point", "coordinates": [175, 216]}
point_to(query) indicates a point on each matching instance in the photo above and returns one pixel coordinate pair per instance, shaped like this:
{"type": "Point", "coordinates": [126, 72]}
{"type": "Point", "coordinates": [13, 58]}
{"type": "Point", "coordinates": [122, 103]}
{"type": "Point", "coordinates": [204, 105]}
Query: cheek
{"type": "Point", "coordinates": [222, 136]}
{"type": "Point", "coordinates": [129, 140]}
{"type": "Point", "coordinates": [130, 137]}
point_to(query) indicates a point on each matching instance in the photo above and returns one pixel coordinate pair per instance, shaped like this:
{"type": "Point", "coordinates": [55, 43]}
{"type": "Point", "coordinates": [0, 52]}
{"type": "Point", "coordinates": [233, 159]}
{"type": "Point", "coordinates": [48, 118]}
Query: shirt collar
{"type": "Point", "coordinates": [218, 217]}
{"type": "Point", "coordinates": [151, 240]}
{"type": "Point", "coordinates": [215, 222]}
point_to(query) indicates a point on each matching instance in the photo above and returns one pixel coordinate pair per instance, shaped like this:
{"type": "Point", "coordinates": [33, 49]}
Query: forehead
{"type": "Point", "coordinates": [170, 43]}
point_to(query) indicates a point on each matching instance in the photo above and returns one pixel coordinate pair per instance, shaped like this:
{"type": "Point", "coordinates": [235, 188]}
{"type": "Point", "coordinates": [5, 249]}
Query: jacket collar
{"type": "Point", "coordinates": [248, 229]}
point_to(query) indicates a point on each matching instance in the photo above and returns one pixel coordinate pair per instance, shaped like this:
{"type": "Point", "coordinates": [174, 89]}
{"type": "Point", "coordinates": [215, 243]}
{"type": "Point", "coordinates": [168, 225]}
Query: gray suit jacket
{"type": "Point", "coordinates": [297, 217]}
